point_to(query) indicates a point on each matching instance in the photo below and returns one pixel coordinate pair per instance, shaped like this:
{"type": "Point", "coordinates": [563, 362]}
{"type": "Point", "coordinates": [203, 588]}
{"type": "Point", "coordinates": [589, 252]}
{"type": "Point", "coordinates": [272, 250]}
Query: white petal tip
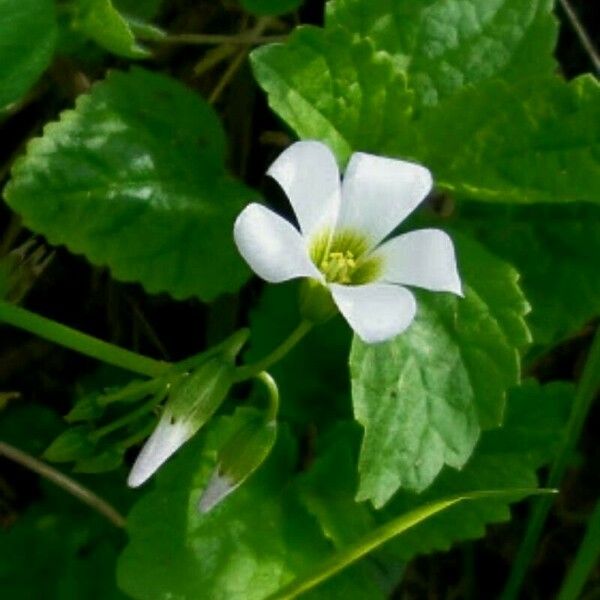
{"type": "Point", "coordinates": [377, 312]}
{"type": "Point", "coordinates": [218, 488]}
{"type": "Point", "coordinates": [165, 440]}
{"type": "Point", "coordinates": [454, 286]}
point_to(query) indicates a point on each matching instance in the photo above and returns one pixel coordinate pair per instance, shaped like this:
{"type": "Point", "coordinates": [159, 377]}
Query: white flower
{"type": "Point", "coordinates": [341, 242]}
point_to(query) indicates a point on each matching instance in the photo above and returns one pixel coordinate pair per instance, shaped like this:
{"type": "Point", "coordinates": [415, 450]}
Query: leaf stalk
{"type": "Point", "coordinates": [586, 391]}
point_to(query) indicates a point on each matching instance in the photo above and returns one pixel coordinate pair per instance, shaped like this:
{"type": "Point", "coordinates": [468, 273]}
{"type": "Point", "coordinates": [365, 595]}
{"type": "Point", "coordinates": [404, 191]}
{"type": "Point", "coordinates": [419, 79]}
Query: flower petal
{"type": "Point", "coordinates": [423, 258]}
{"type": "Point", "coordinates": [309, 175]}
{"type": "Point", "coordinates": [272, 246]}
{"type": "Point", "coordinates": [379, 193]}
{"type": "Point", "coordinates": [165, 440]}
{"type": "Point", "coordinates": [377, 311]}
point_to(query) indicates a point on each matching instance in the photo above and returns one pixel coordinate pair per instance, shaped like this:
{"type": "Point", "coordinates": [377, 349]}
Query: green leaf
{"type": "Point", "coordinates": [101, 21]}
{"type": "Point", "coordinates": [329, 487]}
{"type": "Point", "coordinates": [85, 409]}
{"type": "Point", "coordinates": [255, 541]}
{"type": "Point", "coordinates": [555, 249]}
{"type": "Point", "coordinates": [133, 178]}
{"type": "Point", "coordinates": [505, 458]}
{"type": "Point", "coordinates": [21, 60]}
{"type": "Point", "coordinates": [59, 551]}
{"type": "Point", "coordinates": [423, 397]}
{"type": "Point", "coordinates": [327, 87]}
{"type": "Point", "coordinates": [72, 444]}
{"type": "Point", "coordinates": [271, 7]}
{"type": "Point", "coordinates": [341, 88]}
{"type": "Point", "coordinates": [387, 532]}
{"type": "Point", "coordinates": [106, 460]}
{"type": "Point", "coordinates": [445, 46]}
{"type": "Point", "coordinates": [536, 416]}
{"type": "Point", "coordinates": [552, 154]}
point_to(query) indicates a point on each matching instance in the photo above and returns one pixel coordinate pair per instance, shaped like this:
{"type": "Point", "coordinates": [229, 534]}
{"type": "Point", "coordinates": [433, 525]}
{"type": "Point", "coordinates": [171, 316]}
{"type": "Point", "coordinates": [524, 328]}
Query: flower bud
{"type": "Point", "coordinates": [242, 454]}
{"type": "Point", "coordinates": [194, 399]}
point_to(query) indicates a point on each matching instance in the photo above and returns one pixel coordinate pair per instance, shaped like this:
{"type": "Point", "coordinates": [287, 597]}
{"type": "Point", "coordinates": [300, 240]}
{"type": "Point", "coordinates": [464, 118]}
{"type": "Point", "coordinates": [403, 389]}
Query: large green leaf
{"type": "Point", "coordinates": [552, 153]}
{"type": "Point", "coordinates": [59, 551]}
{"type": "Point", "coordinates": [27, 39]}
{"type": "Point", "coordinates": [337, 86]}
{"type": "Point", "coordinates": [327, 87]}
{"type": "Point", "coordinates": [423, 397]}
{"type": "Point", "coordinates": [133, 178]}
{"type": "Point", "coordinates": [505, 458]}
{"type": "Point", "coordinates": [246, 548]}
{"type": "Point", "coordinates": [556, 250]}
{"type": "Point", "coordinates": [446, 45]}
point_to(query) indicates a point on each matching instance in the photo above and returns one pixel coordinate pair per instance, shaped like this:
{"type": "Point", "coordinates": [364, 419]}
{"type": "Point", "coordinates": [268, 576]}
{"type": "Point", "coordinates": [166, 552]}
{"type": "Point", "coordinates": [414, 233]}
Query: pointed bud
{"type": "Point", "coordinates": [192, 402]}
{"type": "Point", "coordinates": [241, 455]}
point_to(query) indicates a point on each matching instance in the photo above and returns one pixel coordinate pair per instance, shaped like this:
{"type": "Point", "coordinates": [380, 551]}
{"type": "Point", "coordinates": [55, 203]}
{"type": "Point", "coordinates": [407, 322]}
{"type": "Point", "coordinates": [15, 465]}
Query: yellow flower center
{"type": "Point", "coordinates": [343, 258]}
{"type": "Point", "coordinates": [338, 267]}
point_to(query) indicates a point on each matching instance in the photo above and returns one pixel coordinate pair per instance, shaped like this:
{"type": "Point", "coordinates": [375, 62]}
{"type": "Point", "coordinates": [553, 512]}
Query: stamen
{"type": "Point", "coordinates": [338, 267]}
{"type": "Point", "coordinates": [343, 258]}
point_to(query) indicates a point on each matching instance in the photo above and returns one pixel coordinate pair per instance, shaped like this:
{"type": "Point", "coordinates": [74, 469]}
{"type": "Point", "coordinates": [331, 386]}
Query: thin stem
{"type": "Point", "coordinates": [581, 33]}
{"type": "Point", "coordinates": [585, 561]}
{"type": "Point", "coordinates": [586, 391]}
{"type": "Point", "coordinates": [379, 536]}
{"type": "Point", "coordinates": [207, 39]}
{"type": "Point", "coordinates": [273, 393]}
{"type": "Point", "coordinates": [80, 342]}
{"type": "Point", "coordinates": [66, 483]}
{"type": "Point", "coordinates": [249, 371]}
{"type": "Point", "coordinates": [228, 75]}
{"type": "Point", "coordinates": [344, 558]}
{"type": "Point", "coordinates": [213, 57]}
{"type": "Point", "coordinates": [231, 70]}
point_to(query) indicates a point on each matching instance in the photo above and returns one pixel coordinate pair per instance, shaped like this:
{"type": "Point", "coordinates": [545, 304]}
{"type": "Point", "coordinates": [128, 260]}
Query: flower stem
{"type": "Point", "coordinates": [249, 371]}
{"type": "Point", "coordinates": [207, 39]}
{"type": "Point", "coordinates": [232, 69]}
{"type": "Point", "coordinates": [66, 483]}
{"type": "Point", "coordinates": [582, 34]}
{"type": "Point", "coordinates": [80, 342]}
{"type": "Point", "coordinates": [586, 391]}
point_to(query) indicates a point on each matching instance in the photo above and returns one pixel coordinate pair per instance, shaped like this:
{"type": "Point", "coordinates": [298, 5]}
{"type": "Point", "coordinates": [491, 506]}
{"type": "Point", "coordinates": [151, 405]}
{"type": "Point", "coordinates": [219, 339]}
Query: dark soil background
{"type": "Point", "coordinates": [72, 292]}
